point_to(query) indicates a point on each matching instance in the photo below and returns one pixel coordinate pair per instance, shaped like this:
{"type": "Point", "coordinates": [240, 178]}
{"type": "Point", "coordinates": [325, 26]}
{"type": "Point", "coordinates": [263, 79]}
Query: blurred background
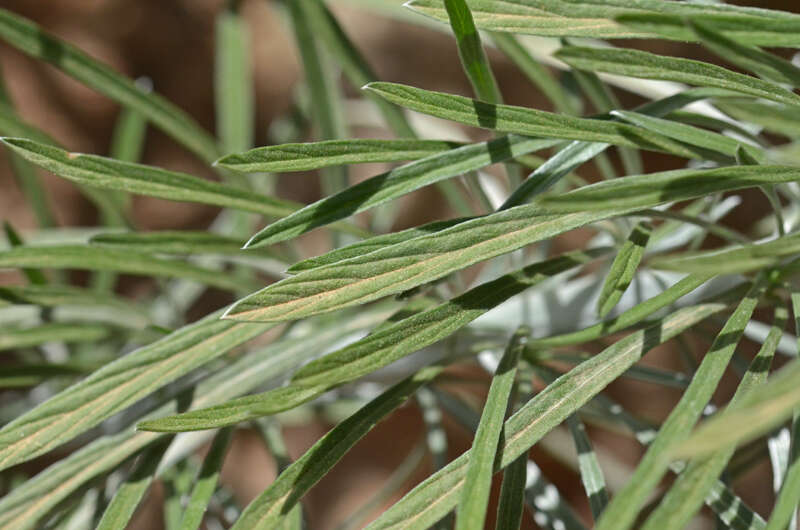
{"type": "Point", "coordinates": [172, 44]}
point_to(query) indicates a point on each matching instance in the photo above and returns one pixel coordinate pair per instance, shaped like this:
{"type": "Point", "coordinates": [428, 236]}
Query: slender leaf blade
{"type": "Point", "coordinates": [382, 347]}
{"type": "Point", "coordinates": [699, 478]}
{"type": "Point", "coordinates": [107, 173]}
{"type": "Point", "coordinates": [32, 40]}
{"type": "Point", "coordinates": [525, 121]}
{"type": "Point", "coordinates": [267, 510]}
{"type": "Point", "coordinates": [120, 510]}
{"type": "Point", "coordinates": [623, 268]}
{"type": "Point", "coordinates": [473, 57]}
{"type": "Point", "coordinates": [85, 257]}
{"type": "Point", "coordinates": [473, 505]}
{"type": "Point", "coordinates": [395, 183]}
{"type": "Point", "coordinates": [636, 63]}
{"type": "Point", "coordinates": [622, 510]}
{"type": "Point", "coordinates": [118, 385]}
{"type": "Point", "coordinates": [176, 242]}
{"type": "Point", "coordinates": [206, 481]}
{"type": "Point", "coordinates": [16, 338]}
{"type": "Point", "coordinates": [643, 191]}
{"type": "Point", "coordinates": [316, 155]}
{"type": "Point", "coordinates": [541, 414]}
{"type": "Point", "coordinates": [738, 259]}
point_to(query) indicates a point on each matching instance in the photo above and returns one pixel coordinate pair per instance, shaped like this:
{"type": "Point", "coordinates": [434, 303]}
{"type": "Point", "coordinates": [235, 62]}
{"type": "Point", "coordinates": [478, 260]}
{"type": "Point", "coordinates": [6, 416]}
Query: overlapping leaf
{"type": "Point", "coordinates": [29, 38]}
{"type": "Point", "coordinates": [304, 157]}
{"type": "Point", "coordinates": [622, 511]}
{"type": "Point", "coordinates": [118, 385]}
{"type": "Point", "coordinates": [414, 262]}
{"type": "Point", "coordinates": [383, 346]}
{"type": "Point", "coordinates": [541, 414]}
{"type": "Point", "coordinates": [395, 183]}
{"type": "Point", "coordinates": [636, 63]}
{"type": "Point", "coordinates": [118, 260]}
{"type": "Point", "coordinates": [526, 121]}
{"type": "Point", "coordinates": [615, 19]}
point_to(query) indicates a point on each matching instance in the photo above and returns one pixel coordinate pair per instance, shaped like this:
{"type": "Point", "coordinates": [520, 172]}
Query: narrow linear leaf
{"type": "Point", "coordinates": [315, 155]}
{"type": "Point", "coordinates": [666, 186]}
{"type": "Point", "coordinates": [15, 338]}
{"type": "Point", "coordinates": [534, 71]}
{"type": "Point", "coordinates": [176, 242]}
{"type": "Point", "coordinates": [540, 495]}
{"type": "Point", "coordinates": [517, 17]}
{"type": "Point", "coordinates": [540, 415]}
{"type": "Point", "coordinates": [84, 257]}
{"type": "Point", "coordinates": [733, 260]}
{"type": "Point", "coordinates": [760, 411]}
{"type": "Point", "coordinates": [130, 130]}
{"type": "Point", "coordinates": [395, 183]}
{"type": "Point", "coordinates": [647, 374]}
{"type": "Point", "coordinates": [233, 81]}
{"type": "Point", "coordinates": [628, 318]}
{"type": "Point", "coordinates": [698, 479]}
{"type": "Point", "coordinates": [776, 118]}
{"type": "Point", "coordinates": [323, 87]}
{"type": "Point", "coordinates": [418, 261]}
{"type": "Point", "coordinates": [473, 505]}
{"type": "Point", "coordinates": [525, 121]}
{"type": "Point", "coordinates": [206, 482]}
{"type": "Point", "coordinates": [32, 40]}
{"type": "Point", "coordinates": [118, 385]}
{"type": "Point", "coordinates": [623, 268]}
{"type": "Point", "coordinates": [717, 124]}
{"type": "Point", "coordinates": [768, 405]}
{"type": "Point", "coordinates": [785, 510]}
{"type": "Point", "coordinates": [267, 509]}
{"type": "Point", "coordinates": [727, 505]}
{"type": "Point", "coordinates": [591, 474]}
{"type": "Point", "coordinates": [36, 497]}
{"type": "Point", "coordinates": [382, 347]}
{"type": "Point", "coordinates": [637, 63]}
{"type": "Point", "coordinates": [107, 173]}
{"type": "Point", "coordinates": [120, 510]}
{"type": "Point", "coordinates": [34, 276]}
{"type": "Point", "coordinates": [68, 295]}
{"type": "Point", "coordinates": [692, 135]}
{"type": "Point", "coordinates": [372, 244]}
{"type": "Point", "coordinates": [470, 50]}
{"type": "Point", "coordinates": [512, 495]}
{"type": "Point", "coordinates": [624, 507]}
{"type": "Point", "coordinates": [758, 30]}
{"type": "Point", "coordinates": [612, 19]}
{"type": "Point", "coordinates": [556, 167]}
{"type": "Point", "coordinates": [355, 68]}
{"type": "Point", "coordinates": [750, 58]}
{"type": "Point", "coordinates": [30, 374]}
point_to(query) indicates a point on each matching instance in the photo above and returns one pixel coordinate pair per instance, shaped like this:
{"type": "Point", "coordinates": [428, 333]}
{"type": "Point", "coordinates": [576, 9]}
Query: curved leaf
{"type": "Point", "coordinates": [31, 39]}
{"type": "Point", "coordinates": [315, 155]}
{"type": "Point", "coordinates": [118, 385]}
{"type": "Point", "coordinates": [636, 63]}
{"type": "Point", "coordinates": [537, 417]}
{"type": "Point", "coordinates": [525, 121]}
{"type": "Point", "coordinates": [395, 183]}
